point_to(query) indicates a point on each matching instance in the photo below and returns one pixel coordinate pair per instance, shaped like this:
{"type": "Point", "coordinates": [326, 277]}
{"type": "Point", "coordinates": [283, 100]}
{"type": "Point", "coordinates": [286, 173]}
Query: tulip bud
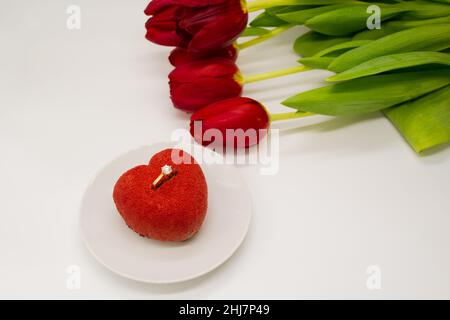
{"type": "Point", "coordinates": [236, 122]}
{"type": "Point", "coordinates": [181, 55]}
{"type": "Point", "coordinates": [198, 84]}
{"type": "Point", "coordinates": [199, 25]}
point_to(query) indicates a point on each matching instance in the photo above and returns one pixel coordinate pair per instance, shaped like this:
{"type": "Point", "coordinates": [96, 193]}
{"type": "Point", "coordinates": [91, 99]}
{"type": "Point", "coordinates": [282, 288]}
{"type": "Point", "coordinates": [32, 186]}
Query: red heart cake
{"type": "Point", "coordinates": [164, 200]}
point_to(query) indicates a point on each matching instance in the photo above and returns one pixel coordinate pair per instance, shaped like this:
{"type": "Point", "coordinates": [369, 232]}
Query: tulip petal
{"type": "Point", "coordinates": [196, 19]}
{"type": "Point", "coordinates": [156, 5]}
{"type": "Point", "coordinates": [221, 31]}
{"type": "Point", "coordinates": [213, 68]}
{"type": "Point", "coordinates": [163, 33]}
{"type": "Point", "coordinates": [195, 95]}
{"type": "Point", "coordinates": [162, 28]}
{"type": "Point", "coordinates": [180, 56]}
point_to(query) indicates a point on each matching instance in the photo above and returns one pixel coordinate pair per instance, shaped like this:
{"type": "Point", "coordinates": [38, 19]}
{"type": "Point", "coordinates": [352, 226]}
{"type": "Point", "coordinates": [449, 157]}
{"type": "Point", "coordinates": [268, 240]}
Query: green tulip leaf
{"type": "Point", "coordinates": [392, 62]}
{"type": "Point", "coordinates": [424, 122]}
{"type": "Point", "coordinates": [254, 32]}
{"type": "Point", "coordinates": [342, 46]}
{"type": "Point", "coordinates": [269, 17]}
{"type": "Point", "coordinates": [369, 94]}
{"type": "Point", "coordinates": [386, 29]}
{"type": "Point", "coordinates": [316, 62]}
{"type": "Point", "coordinates": [425, 38]}
{"type": "Point", "coordinates": [301, 16]}
{"type": "Point", "coordinates": [424, 9]}
{"type": "Point", "coordinates": [347, 20]}
{"type": "Point", "coordinates": [312, 42]}
{"type": "Point", "coordinates": [405, 24]}
{"type": "Point", "coordinates": [396, 26]}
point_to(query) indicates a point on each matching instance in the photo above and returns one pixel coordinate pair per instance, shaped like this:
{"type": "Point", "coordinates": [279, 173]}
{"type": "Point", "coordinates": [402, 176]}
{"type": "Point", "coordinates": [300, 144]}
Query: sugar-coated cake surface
{"type": "Point", "coordinates": [175, 210]}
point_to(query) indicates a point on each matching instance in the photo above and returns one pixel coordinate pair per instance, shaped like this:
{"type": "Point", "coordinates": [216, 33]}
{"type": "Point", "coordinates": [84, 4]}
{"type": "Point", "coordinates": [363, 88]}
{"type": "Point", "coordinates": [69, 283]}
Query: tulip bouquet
{"type": "Point", "coordinates": [400, 67]}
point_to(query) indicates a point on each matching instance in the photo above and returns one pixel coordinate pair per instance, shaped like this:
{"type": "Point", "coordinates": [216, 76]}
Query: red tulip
{"type": "Point", "coordinates": [181, 55]}
{"type": "Point", "coordinates": [198, 25]}
{"type": "Point", "coordinates": [198, 84]}
{"type": "Point", "coordinates": [240, 122]}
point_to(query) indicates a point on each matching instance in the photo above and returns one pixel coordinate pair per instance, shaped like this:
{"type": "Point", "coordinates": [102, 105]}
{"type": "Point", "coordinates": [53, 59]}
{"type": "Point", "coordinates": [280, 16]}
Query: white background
{"type": "Point", "coordinates": [350, 192]}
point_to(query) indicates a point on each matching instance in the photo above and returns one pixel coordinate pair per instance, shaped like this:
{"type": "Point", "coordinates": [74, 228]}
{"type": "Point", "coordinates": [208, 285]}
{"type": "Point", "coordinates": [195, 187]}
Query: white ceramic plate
{"type": "Point", "coordinates": [124, 252]}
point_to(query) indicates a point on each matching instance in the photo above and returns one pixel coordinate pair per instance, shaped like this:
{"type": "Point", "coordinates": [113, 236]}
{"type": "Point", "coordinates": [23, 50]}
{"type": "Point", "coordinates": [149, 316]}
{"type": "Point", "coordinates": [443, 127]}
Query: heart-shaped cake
{"type": "Point", "coordinates": [165, 200]}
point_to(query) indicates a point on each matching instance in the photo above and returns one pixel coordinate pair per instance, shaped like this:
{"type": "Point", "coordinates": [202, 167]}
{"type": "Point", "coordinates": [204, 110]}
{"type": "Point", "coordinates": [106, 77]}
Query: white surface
{"type": "Point", "coordinates": [124, 252]}
{"type": "Point", "coordinates": [350, 192]}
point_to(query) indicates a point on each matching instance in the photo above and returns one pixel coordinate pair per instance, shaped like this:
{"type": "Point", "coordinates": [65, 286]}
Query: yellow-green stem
{"type": "Point", "coordinates": [256, 5]}
{"type": "Point", "coordinates": [264, 37]}
{"type": "Point", "coordinates": [289, 115]}
{"type": "Point", "coordinates": [274, 74]}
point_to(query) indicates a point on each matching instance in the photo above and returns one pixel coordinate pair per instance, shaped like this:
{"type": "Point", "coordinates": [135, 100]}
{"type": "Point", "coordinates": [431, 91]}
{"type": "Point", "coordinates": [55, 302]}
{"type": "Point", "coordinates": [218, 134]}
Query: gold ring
{"type": "Point", "coordinates": [166, 173]}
